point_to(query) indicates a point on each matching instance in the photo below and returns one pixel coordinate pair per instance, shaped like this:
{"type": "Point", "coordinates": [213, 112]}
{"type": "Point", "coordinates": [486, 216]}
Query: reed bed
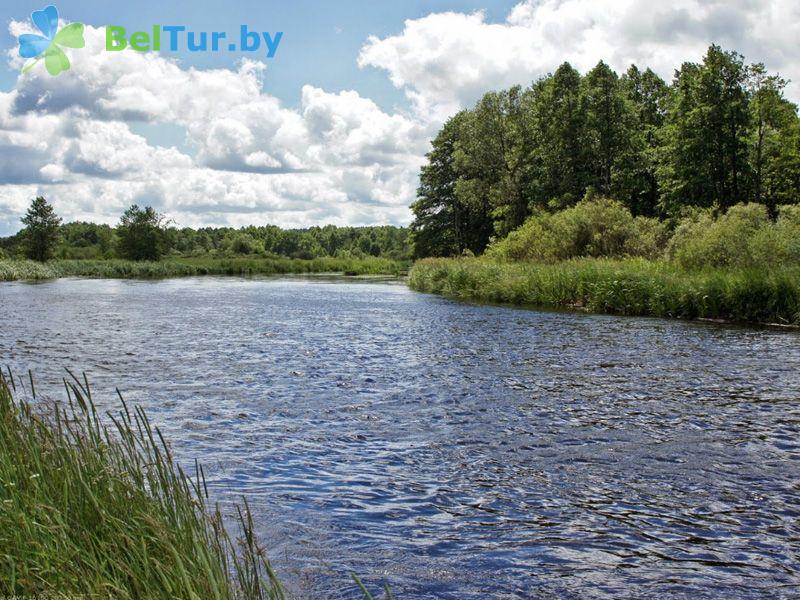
{"type": "Point", "coordinates": [96, 510]}
{"type": "Point", "coordinates": [11, 270]}
{"type": "Point", "coordinates": [625, 287]}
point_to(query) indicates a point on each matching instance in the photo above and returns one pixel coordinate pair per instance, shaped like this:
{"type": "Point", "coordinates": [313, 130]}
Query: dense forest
{"type": "Point", "coordinates": [93, 241]}
{"type": "Point", "coordinates": [720, 134]}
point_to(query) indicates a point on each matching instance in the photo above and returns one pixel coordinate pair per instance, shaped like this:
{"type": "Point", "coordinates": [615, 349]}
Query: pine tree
{"type": "Point", "coordinates": [42, 230]}
{"type": "Point", "coordinates": [609, 126]}
{"type": "Point", "coordinates": [775, 141]}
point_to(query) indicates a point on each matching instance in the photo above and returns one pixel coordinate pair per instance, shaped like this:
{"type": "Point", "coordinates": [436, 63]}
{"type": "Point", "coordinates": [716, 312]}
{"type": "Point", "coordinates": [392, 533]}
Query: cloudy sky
{"type": "Point", "coordinates": [334, 128]}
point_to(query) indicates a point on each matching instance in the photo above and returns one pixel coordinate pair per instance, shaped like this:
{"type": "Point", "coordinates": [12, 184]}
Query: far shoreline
{"type": "Point", "coordinates": [636, 288]}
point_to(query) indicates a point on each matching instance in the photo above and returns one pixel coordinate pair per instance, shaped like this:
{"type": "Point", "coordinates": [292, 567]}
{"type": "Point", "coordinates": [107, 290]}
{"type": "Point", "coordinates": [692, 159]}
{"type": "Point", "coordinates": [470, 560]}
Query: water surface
{"type": "Point", "coordinates": [455, 451]}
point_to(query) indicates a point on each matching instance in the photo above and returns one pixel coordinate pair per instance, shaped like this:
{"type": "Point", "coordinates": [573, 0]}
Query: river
{"type": "Point", "coordinates": [454, 451]}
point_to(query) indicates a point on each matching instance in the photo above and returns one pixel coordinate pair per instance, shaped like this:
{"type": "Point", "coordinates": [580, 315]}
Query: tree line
{"type": "Point", "coordinates": [144, 234]}
{"type": "Point", "coordinates": [721, 133]}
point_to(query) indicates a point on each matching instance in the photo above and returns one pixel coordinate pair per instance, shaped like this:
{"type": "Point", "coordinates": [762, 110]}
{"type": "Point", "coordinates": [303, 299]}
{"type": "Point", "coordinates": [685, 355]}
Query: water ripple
{"type": "Point", "coordinates": [454, 451]}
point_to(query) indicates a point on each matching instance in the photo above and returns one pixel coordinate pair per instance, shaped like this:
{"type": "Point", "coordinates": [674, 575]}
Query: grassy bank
{"type": "Point", "coordinates": [89, 511]}
{"type": "Point", "coordinates": [11, 270]}
{"type": "Point", "coordinates": [625, 287]}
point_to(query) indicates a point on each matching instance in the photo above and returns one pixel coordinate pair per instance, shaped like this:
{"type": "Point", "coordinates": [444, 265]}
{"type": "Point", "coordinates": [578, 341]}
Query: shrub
{"type": "Point", "coordinates": [649, 239]}
{"type": "Point", "coordinates": [744, 237]}
{"type": "Point", "coordinates": [244, 243]}
{"type": "Point", "coordinates": [787, 231]}
{"type": "Point", "coordinates": [596, 227]}
{"type": "Point", "coordinates": [534, 240]}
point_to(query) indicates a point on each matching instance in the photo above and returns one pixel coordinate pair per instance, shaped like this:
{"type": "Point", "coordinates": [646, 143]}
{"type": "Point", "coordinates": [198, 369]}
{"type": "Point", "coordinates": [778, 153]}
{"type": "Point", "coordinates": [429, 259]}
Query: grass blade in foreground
{"type": "Point", "coordinates": [86, 509]}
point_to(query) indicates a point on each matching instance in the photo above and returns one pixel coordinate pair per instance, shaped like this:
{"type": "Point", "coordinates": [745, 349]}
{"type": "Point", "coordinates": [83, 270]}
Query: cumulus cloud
{"type": "Point", "coordinates": [338, 158]}
{"type": "Point", "coordinates": [445, 61]}
{"type": "Point", "coordinates": [347, 129]}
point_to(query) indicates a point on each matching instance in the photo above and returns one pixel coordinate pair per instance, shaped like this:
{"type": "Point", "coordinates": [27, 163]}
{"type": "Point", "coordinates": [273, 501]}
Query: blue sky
{"type": "Point", "coordinates": [321, 41]}
{"type": "Point", "coordinates": [322, 38]}
{"type": "Point", "coordinates": [334, 129]}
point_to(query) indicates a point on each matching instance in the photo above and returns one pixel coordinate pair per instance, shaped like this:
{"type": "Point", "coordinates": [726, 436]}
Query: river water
{"type": "Point", "coordinates": [451, 450]}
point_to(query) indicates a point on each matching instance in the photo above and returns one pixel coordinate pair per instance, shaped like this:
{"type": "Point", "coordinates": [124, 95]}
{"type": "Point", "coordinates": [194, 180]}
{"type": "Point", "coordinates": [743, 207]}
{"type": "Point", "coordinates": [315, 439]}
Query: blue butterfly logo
{"type": "Point", "coordinates": [48, 45]}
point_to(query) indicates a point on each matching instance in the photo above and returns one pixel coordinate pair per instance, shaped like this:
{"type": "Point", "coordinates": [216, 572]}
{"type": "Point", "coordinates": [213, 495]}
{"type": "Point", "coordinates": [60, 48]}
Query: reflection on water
{"type": "Point", "coordinates": [455, 451]}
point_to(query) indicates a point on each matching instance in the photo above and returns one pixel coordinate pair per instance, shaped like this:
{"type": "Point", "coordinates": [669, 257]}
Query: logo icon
{"type": "Point", "coordinates": [48, 45]}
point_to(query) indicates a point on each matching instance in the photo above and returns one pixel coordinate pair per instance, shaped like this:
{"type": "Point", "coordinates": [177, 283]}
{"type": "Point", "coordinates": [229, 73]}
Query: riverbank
{"type": "Point", "coordinates": [634, 287]}
{"type": "Point", "coordinates": [13, 270]}
{"type": "Point", "coordinates": [88, 511]}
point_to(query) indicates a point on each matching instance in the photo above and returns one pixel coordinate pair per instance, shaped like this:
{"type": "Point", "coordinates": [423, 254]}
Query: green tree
{"type": "Point", "coordinates": [41, 230]}
{"type": "Point", "coordinates": [703, 160]}
{"type": "Point", "coordinates": [443, 224]}
{"type": "Point", "coordinates": [780, 179]}
{"type": "Point", "coordinates": [142, 234]}
{"type": "Point", "coordinates": [721, 134]}
{"type": "Point", "coordinates": [436, 228]}
{"type": "Point", "coordinates": [244, 243]}
{"type": "Point", "coordinates": [492, 159]}
{"type": "Point", "coordinates": [775, 141]}
{"type": "Point", "coordinates": [610, 125]}
{"type": "Point", "coordinates": [648, 94]}
{"type": "Point", "coordinates": [563, 154]}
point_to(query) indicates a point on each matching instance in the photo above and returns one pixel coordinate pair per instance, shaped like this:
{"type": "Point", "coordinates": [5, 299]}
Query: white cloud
{"type": "Point", "coordinates": [348, 129]}
{"type": "Point", "coordinates": [446, 61]}
{"type": "Point", "coordinates": [338, 158]}
{"type": "Point", "coordinates": [107, 149]}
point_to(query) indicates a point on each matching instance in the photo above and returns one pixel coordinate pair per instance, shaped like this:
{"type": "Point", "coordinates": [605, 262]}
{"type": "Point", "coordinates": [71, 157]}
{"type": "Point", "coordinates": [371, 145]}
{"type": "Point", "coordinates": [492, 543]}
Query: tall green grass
{"type": "Point", "coordinates": [11, 270]}
{"type": "Point", "coordinates": [87, 509]}
{"type": "Point", "coordinates": [626, 287]}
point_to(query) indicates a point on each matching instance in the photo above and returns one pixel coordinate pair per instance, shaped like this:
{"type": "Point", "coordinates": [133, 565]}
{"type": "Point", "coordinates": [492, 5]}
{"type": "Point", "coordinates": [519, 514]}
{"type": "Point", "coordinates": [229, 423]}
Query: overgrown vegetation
{"type": "Point", "coordinates": [720, 134]}
{"type": "Point", "coordinates": [11, 270]}
{"type": "Point", "coordinates": [105, 512]}
{"type": "Point", "coordinates": [626, 287]}
{"type": "Point", "coordinates": [738, 266]}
